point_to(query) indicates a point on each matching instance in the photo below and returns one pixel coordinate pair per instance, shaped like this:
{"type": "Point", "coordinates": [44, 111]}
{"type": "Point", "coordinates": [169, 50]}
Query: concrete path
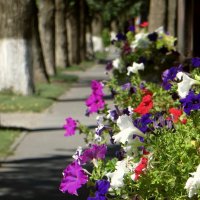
{"type": "Point", "coordinates": [34, 170]}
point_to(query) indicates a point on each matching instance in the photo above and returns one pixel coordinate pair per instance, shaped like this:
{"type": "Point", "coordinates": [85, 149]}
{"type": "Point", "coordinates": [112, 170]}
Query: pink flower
{"type": "Point", "coordinates": [73, 178]}
{"type": "Point", "coordinates": [70, 126]}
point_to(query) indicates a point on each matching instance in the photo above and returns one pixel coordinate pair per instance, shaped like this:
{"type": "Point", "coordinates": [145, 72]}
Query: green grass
{"type": "Point", "coordinates": [101, 55]}
{"type": "Point", "coordinates": [83, 66]}
{"type": "Point", "coordinates": [7, 139]}
{"type": "Point", "coordinates": [44, 96]}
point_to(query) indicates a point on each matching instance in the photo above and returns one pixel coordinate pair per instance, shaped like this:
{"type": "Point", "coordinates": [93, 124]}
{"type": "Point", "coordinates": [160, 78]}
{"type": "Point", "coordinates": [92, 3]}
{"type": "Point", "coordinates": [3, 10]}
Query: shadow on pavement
{"type": "Point", "coordinates": [35, 179]}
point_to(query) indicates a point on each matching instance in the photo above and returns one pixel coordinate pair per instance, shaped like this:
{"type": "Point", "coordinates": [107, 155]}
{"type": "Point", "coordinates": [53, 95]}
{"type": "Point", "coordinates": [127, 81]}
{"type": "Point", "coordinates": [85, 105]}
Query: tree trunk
{"type": "Point", "coordinates": [172, 13]}
{"type": "Point", "coordinates": [47, 32]}
{"type": "Point", "coordinates": [157, 14]}
{"type": "Point", "coordinates": [73, 28]}
{"type": "Point", "coordinates": [39, 68]}
{"type": "Point", "coordinates": [82, 29]}
{"type": "Point", "coordinates": [15, 46]}
{"type": "Point", "coordinates": [61, 34]}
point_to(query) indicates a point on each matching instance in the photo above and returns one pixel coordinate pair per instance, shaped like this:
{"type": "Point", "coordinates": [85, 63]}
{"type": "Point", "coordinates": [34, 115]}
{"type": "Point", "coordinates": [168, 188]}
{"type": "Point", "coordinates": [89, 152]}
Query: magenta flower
{"type": "Point", "coordinates": [95, 101]}
{"type": "Point", "coordinates": [95, 152]}
{"type": "Point", "coordinates": [70, 126]}
{"type": "Point", "coordinates": [97, 88]}
{"type": "Point", "coordinates": [73, 178]}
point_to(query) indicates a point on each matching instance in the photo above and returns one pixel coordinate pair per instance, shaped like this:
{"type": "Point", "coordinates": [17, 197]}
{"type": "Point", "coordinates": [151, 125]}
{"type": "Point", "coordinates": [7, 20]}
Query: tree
{"type": "Point", "coordinates": [61, 34]}
{"type": "Point", "coordinates": [39, 68]}
{"type": "Point", "coordinates": [15, 46]}
{"type": "Point", "coordinates": [157, 14]}
{"type": "Point", "coordinates": [47, 32]}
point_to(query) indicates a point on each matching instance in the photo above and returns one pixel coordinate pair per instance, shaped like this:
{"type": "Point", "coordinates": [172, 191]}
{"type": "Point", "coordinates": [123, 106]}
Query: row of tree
{"type": "Point", "coordinates": [37, 36]}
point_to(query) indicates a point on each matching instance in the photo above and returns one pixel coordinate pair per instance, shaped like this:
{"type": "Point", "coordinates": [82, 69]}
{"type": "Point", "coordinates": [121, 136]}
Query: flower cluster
{"type": "Point", "coordinates": [147, 143]}
{"type": "Point", "coordinates": [95, 101]}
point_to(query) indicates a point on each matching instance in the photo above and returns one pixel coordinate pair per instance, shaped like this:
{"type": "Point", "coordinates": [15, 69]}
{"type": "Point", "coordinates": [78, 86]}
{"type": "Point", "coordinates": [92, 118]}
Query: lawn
{"type": "Point", "coordinates": [44, 96]}
{"type": "Point", "coordinates": [7, 138]}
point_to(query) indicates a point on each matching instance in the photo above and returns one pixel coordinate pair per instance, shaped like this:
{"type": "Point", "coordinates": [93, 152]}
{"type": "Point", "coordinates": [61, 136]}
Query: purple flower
{"type": "Point", "coordinates": [191, 102]}
{"type": "Point", "coordinates": [195, 62]}
{"type": "Point", "coordinates": [95, 101]}
{"type": "Point", "coordinates": [102, 187]}
{"type": "Point", "coordinates": [131, 28]}
{"type": "Point", "coordinates": [120, 36]}
{"type": "Point", "coordinates": [73, 178]}
{"type": "Point", "coordinates": [153, 36]}
{"type": "Point", "coordinates": [70, 127]}
{"type": "Point", "coordinates": [97, 88]}
{"type": "Point", "coordinates": [95, 152]}
{"type": "Point", "coordinates": [126, 86]}
{"type": "Point", "coordinates": [143, 122]}
{"type": "Point", "coordinates": [169, 75]}
{"type": "Point", "coordinates": [109, 66]}
{"type": "Point", "coordinates": [112, 115]}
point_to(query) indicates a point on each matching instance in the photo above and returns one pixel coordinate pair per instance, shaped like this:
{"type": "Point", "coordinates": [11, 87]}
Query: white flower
{"type": "Point", "coordinates": [76, 156]}
{"type": "Point", "coordinates": [160, 30]}
{"type": "Point", "coordinates": [185, 84]}
{"type": "Point", "coordinates": [116, 178]}
{"type": "Point", "coordinates": [141, 41]}
{"type": "Point", "coordinates": [116, 63]}
{"type": "Point", "coordinates": [193, 183]}
{"type": "Point", "coordinates": [135, 67]}
{"type": "Point", "coordinates": [122, 167]}
{"type": "Point", "coordinates": [127, 130]}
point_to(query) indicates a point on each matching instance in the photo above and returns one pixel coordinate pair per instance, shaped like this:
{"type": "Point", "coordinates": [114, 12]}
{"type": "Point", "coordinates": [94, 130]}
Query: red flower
{"type": "Point", "coordinates": [184, 121]}
{"type": "Point", "coordinates": [144, 24]}
{"type": "Point", "coordinates": [145, 106]}
{"type": "Point", "coordinates": [141, 167]}
{"type": "Point", "coordinates": [176, 113]}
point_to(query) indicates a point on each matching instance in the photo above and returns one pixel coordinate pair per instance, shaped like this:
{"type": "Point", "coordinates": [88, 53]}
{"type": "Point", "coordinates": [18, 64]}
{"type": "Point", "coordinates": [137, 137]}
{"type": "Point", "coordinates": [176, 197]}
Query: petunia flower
{"type": "Point", "coordinates": [139, 170]}
{"type": "Point", "coordinates": [116, 63]}
{"type": "Point", "coordinates": [95, 152]}
{"type": "Point", "coordinates": [185, 84]}
{"type": "Point", "coordinates": [95, 101]}
{"type": "Point", "coordinates": [144, 24]}
{"type": "Point", "coordinates": [127, 130]}
{"type": "Point", "coordinates": [134, 68]}
{"type": "Point", "coordinates": [176, 113]}
{"type": "Point", "coordinates": [191, 102]}
{"type": "Point", "coordinates": [70, 126]}
{"type": "Point", "coordinates": [193, 183]}
{"type": "Point", "coordinates": [169, 75]}
{"type": "Point", "coordinates": [102, 187]}
{"type": "Point", "coordinates": [122, 167]}
{"type": "Point", "coordinates": [73, 178]}
{"type": "Point", "coordinates": [145, 106]}
{"type": "Point", "coordinates": [195, 62]}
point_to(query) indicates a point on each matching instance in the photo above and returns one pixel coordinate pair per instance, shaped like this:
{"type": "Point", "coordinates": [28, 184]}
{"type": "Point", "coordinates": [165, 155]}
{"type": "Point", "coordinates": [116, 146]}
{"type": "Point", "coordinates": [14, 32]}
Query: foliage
{"type": "Point", "coordinates": [106, 37]}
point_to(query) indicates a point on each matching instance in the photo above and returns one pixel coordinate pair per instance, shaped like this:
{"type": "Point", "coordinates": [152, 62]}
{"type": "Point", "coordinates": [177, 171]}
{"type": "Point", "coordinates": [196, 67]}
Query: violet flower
{"type": "Point", "coordinates": [143, 122]}
{"type": "Point", "coordinates": [73, 178]}
{"type": "Point", "coordinates": [102, 187]}
{"type": "Point", "coordinates": [70, 126]}
{"type": "Point", "coordinates": [95, 152]}
{"type": "Point", "coordinates": [190, 102]}
{"type": "Point", "coordinates": [169, 75]}
{"type": "Point", "coordinates": [195, 62]}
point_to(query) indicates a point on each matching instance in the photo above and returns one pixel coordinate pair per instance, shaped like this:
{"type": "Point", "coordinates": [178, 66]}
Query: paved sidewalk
{"type": "Point", "coordinates": [34, 170]}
